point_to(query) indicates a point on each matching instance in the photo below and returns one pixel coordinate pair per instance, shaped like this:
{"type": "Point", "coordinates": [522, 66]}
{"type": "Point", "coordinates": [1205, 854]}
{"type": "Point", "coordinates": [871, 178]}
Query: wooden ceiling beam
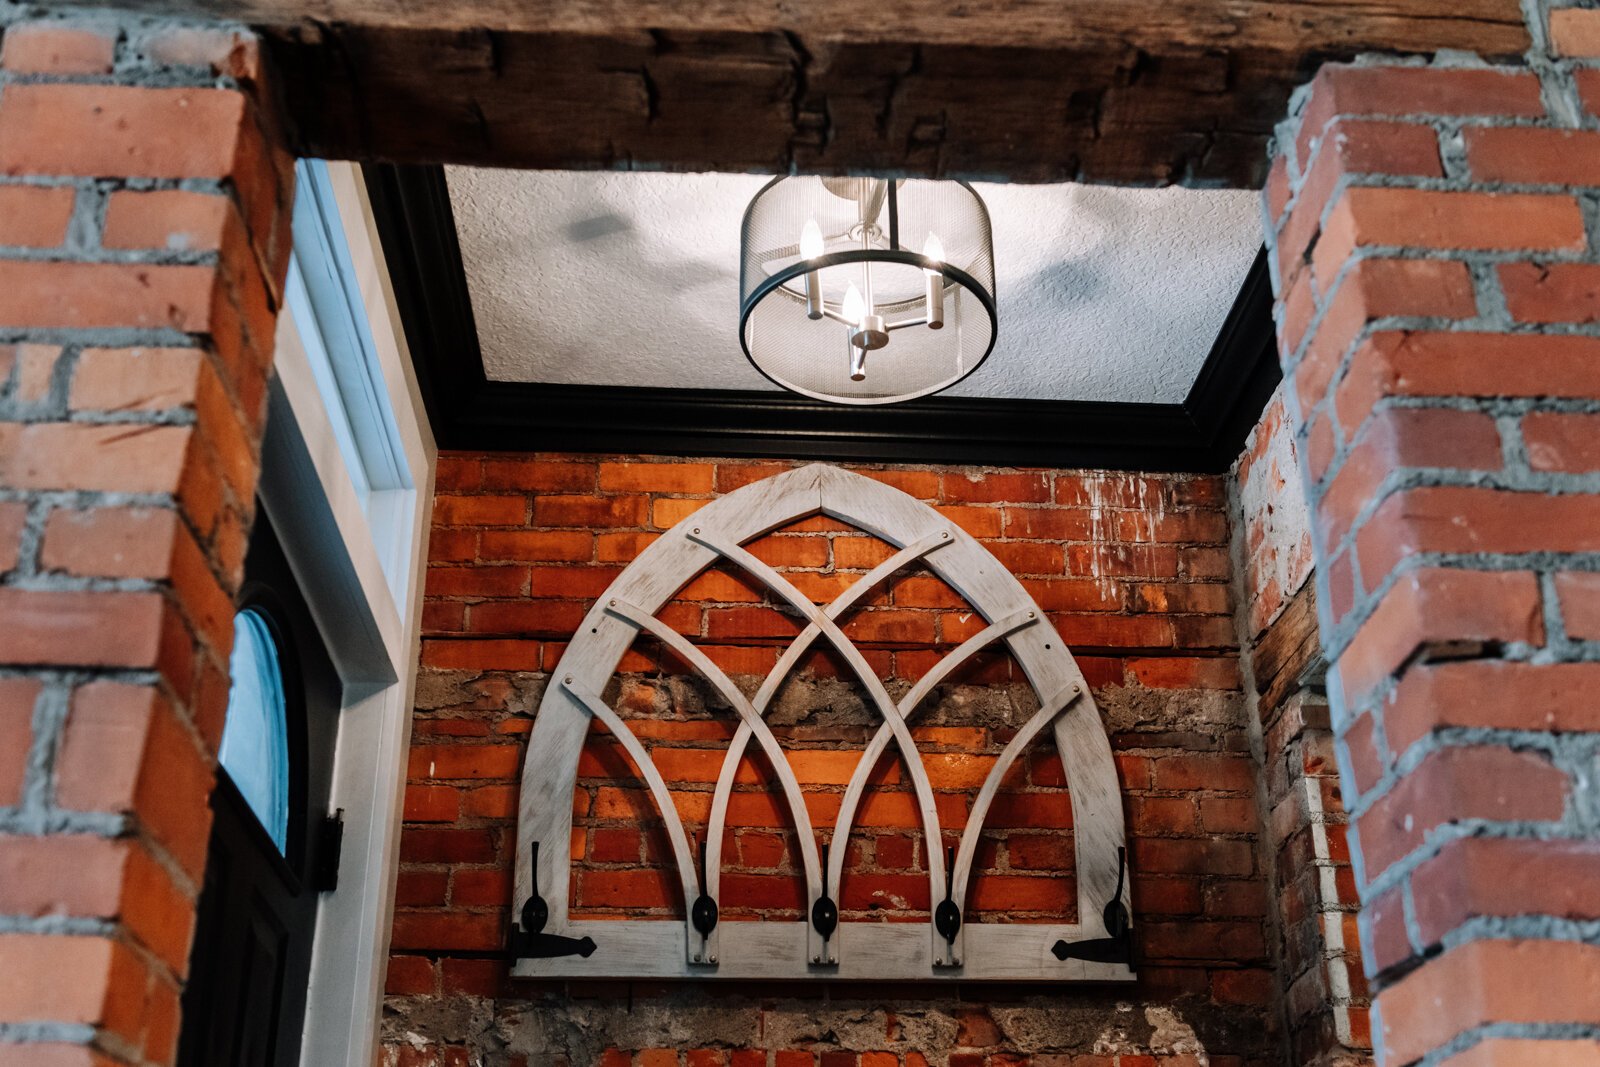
{"type": "Point", "coordinates": [1126, 91]}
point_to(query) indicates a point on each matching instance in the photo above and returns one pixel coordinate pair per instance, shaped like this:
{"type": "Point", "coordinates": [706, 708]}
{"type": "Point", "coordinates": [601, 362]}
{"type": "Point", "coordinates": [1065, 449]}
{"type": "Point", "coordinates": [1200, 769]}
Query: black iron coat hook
{"type": "Point", "coordinates": [947, 916]}
{"type": "Point", "coordinates": [528, 942]}
{"type": "Point", "coordinates": [1118, 948]}
{"type": "Point", "coordinates": [824, 913]}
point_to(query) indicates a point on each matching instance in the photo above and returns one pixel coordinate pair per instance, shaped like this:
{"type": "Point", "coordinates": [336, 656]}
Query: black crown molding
{"type": "Point", "coordinates": [1204, 434]}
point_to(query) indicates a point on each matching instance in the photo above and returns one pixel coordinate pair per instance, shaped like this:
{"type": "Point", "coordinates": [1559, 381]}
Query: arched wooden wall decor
{"type": "Point", "coordinates": [546, 943]}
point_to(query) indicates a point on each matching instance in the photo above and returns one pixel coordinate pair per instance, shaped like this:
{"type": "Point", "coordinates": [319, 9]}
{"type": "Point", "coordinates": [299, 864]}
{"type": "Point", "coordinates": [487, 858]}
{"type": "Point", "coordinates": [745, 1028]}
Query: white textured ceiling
{"type": "Point", "coordinates": [632, 279]}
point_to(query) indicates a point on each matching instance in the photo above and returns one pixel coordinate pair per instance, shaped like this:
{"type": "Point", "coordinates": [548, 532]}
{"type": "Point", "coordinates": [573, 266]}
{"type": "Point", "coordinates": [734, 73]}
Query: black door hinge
{"type": "Point", "coordinates": [330, 844]}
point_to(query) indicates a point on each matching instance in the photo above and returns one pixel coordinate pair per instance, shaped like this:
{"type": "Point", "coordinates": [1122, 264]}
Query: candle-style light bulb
{"type": "Point", "coordinates": [854, 307]}
{"type": "Point", "coordinates": [934, 281]}
{"type": "Point", "coordinates": [811, 246]}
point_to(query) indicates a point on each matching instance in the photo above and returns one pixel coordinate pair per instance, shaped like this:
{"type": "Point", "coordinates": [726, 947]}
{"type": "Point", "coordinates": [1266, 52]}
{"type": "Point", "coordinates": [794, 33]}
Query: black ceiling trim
{"type": "Point", "coordinates": [1205, 433]}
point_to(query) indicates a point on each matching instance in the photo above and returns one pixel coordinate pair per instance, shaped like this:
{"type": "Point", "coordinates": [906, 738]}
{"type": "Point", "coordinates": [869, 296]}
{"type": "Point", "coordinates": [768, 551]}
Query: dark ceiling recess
{"type": "Point", "coordinates": [468, 411]}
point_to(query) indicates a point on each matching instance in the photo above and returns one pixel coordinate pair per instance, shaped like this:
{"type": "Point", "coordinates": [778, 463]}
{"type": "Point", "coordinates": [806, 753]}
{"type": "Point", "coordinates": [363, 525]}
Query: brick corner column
{"type": "Point", "coordinates": [1436, 230]}
{"type": "Point", "coordinates": [144, 237]}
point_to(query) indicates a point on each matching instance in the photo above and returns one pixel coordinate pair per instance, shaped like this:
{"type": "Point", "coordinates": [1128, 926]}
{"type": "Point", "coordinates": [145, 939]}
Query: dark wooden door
{"type": "Point", "coordinates": [244, 1005]}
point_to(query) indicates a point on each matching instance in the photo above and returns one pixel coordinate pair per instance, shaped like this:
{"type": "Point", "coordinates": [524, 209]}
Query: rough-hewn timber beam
{"type": "Point", "coordinates": [1138, 91]}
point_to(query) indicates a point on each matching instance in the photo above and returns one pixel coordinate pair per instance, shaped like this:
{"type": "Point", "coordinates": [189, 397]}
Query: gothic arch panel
{"type": "Point", "coordinates": [548, 943]}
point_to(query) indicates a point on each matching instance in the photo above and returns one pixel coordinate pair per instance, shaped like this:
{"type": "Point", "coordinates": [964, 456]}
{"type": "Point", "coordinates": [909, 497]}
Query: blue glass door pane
{"type": "Point", "coordinates": [255, 738]}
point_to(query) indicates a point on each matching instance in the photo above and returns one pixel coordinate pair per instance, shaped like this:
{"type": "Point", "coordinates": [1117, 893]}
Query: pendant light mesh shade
{"type": "Point", "coordinates": [873, 237]}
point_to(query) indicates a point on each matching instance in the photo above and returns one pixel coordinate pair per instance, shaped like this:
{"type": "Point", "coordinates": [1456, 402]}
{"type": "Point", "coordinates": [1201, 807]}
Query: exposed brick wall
{"type": "Point", "coordinates": [1432, 225]}
{"type": "Point", "coordinates": [1272, 519]}
{"type": "Point", "coordinates": [143, 238]}
{"type": "Point", "coordinates": [1317, 947]}
{"type": "Point", "coordinates": [1132, 570]}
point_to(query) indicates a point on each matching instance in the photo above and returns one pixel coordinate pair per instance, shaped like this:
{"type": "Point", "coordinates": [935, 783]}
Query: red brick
{"type": "Point", "coordinates": [750, 622]}
{"type": "Point", "coordinates": [136, 379]}
{"type": "Point", "coordinates": [34, 216]}
{"type": "Point", "coordinates": [1405, 437]}
{"type": "Point", "coordinates": [1013, 487]}
{"type": "Point", "coordinates": [121, 131]}
{"type": "Point", "coordinates": [433, 931]}
{"type": "Point", "coordinates": [450, 762]}
{"type": "Point", "coordinates": [146, 459]}
{"type": "Point", "coordinates": [1341, 89]}
{"type": "Point", "coordinates": [480, 888]}
{"type": "Point", "coordinates": [667, 512]}
{"type": "Point", "coordinates": [1504, 878]}
{"type": "Point", "coordinates": [1028, 557]}
{"type": "Point", "coordinates": [1562, 441]}
{"type": "Point", "coordinates": [124, 750]}
{"type": "Point", "coordinates": [490, 802]}
{"type": "Point", "coordinates": [12, 516]}
{"type": "Point", "coordinates": [1241, 987]}
{"type": "Point", "coordinates": [628, 889]}
{"type": "Point", "coordinates": [68, 295]}
{"type": "Point", "coordinates": [1553, 292]}
{"type": "Point", "coordinates": [82, 980]}
{"type": "Point", "coordinates": [1227, 815]}
{"type": "Point", "coordinates": [1448, 519]}
{"type": "Point", "coordinates": [171, 220]}
{"type": "Point", "coordinates": [622, 547]}
{"type": "Point", "coordinates": [1235, 774]}
{"type": "Point", "coordinates": [452, 545]}
{"type": "Point", "coordinates": [1489, 982]}
{"type": "Point", "coordinates": [130, 542]}
{"type": "Point", "coordinates": [445, 845]}
{"type": "Point", "coordinates": [1419, 363]}
{"type": "Point", "coordinates": [1492, 694]}
{"type": "Point", "coordinates": [1232, 941]}
{"type": "Point", "coordinates": [977, 521]}
{"type": "Point", "coordinates": [17, 698]}
{"type": "Point", "coordinates": [1455, 784]}
{"type": "Point", "coordinates": [459, 472]}
{"type": "Point", "coordinates": [538, 475]}
{"type": "Point", "coordinates": [656, 477]}
{"type": "Point", "coordinates": [526, 617]}
{"type": "Point", "coordinates": [421, 889]}
{"type": "Point", "coordinates": [1575, 32]}
{"type": "Point", "coordinates": [1535, 155]}
{"type": "Point", "coordinates": [590, 511]}
{"type": "Point", "coordinates": [409, 975]}
{"type": "Point", "coordinates": [1439, 606]}
{"type": "Point", "coordinates": [52, 48]}
{"type": "Point", "coordinates": [889, 626]}
{"type": "Point", "coordinates": [482, 655]}
{"type": "Point", "coordinates": [1180, 673]}
{"type": "Point", "coordinates": [1210, 856]}
{"type": "Point", "coordinates": [1348, 147]}
{"type": "Point", "coordinates": [786, 550]}
{"type": "Point", "coordinates": [480, 581]}
{"type": "Point", "coordinates": [1437, 219]}
{"type": "Point", "coordinates": [432, 803]}
{"type": "Point", "coordinates": [479, 510]}
{"type": "Point", "coordinates": [1372, 289]}
{"type": "Point", "coordinates": [1524, 1052]}
{"type": "Point", "coordinates": [72, 628]}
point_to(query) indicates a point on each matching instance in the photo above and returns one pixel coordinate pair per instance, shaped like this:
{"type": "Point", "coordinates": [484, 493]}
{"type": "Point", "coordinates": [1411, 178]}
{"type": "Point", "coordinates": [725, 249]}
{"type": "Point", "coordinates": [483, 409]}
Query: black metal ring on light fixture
{"type": "Point", "coordinates": [862, 255]}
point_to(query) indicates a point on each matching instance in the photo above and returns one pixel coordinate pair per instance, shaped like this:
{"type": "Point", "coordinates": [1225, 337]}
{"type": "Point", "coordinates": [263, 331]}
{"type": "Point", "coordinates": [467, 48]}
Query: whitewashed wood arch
{"type": "Point", "coordinates": [788, 950]}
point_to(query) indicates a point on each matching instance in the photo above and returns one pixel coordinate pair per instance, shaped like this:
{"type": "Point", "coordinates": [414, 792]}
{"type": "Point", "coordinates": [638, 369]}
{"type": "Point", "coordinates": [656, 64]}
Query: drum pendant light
{"type": "Point", "coordinates": [866, 290]}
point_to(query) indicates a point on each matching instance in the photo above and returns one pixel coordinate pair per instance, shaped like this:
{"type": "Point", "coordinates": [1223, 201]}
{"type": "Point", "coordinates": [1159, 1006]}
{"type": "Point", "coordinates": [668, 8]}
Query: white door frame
{"type": "Point", "coordinates": [362, 578]}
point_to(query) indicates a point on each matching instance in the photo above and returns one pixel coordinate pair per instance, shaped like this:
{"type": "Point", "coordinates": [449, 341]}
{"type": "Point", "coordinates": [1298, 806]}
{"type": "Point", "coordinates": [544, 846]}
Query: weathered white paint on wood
{"type": "Point", "coordinates": [1005, 952]}
{"type": "Point", "coordinates": [657, 948]}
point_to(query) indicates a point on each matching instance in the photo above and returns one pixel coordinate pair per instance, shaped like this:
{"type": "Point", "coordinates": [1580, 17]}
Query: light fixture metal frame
{"type": "Point", "coordinates": [893, 254]}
